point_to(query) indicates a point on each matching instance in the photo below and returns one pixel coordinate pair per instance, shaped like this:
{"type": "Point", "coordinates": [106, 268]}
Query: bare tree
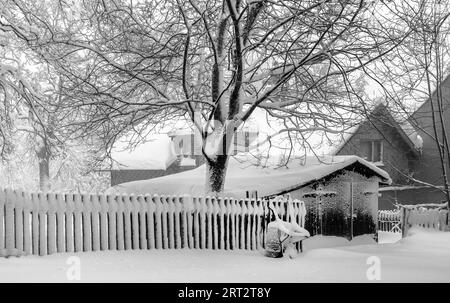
{"type": "Point", "coordinates": [128, 64]}
{"type": "Point", "coordinates": [30, 95]}
{"type": "Point", "coordinates": [415, 73]}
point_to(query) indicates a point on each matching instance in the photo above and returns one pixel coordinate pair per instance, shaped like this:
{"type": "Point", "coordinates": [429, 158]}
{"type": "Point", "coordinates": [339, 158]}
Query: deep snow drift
{"type": "Point", "coordinates": [421, 257]}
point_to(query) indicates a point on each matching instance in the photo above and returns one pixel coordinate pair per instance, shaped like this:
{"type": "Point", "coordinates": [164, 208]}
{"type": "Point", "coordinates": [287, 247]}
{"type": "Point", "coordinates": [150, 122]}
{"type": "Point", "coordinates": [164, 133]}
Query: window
{"type": "Point", "coordinates": [372, 150]}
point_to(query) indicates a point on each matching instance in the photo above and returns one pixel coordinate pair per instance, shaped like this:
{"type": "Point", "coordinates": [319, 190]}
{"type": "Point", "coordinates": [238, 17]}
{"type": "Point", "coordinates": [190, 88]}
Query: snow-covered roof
{"type": "Point", "coordinates": [242, 177]}
{"type": "Point", "coordinates": [158, 153]}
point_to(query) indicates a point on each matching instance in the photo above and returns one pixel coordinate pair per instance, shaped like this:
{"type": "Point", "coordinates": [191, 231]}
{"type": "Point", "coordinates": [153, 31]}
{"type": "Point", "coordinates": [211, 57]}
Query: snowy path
{"type": "Point", "coordinates": [423, 257]}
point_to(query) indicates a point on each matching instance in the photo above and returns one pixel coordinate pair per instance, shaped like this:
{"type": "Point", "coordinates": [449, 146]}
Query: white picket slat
{"type": "Point", "coordinates": [158, 224]}
{"type": "Point", "coordinates": [103, 222]}
{"type": "Point", "coordinates": [112, 221]}
{"type": "Point", "coordinates": [87, 223]}
{"type": "Point", "coordinates": [120, 223]}
{"type": "Point", "coordinates": [95, 220]}
{"type": "Point", "coordinates": [202, 209]}
{"type": "Point", "coordinates": [78, 225]}
{"type": "Point", "coordinates": [51, 223]}
{"type": "Point", "coordinates": [69, 226]}
{"type": "Point", "coordinates": [60, 222]}
{"type": "Point", "coordinates": [196, 231]}
{"type": "Point", "coordinates": [150, 221]}
{"type": "Point", "coordinates": [170, 222]}
{"type": "Point", "coordinates": [142, 212]}
{"type": "Point", "coordinates": [43, 209]}
{"type": "Point", "coordinates": [18, 219]}
{"type": "Point", "coordinates": [35, 222]}
{"type": "Point", "coordinates": [135, 206]}
{"type": "Point", "coordinates": [127, 221]}
{"type": "Point", "coordinates": [27, 207]}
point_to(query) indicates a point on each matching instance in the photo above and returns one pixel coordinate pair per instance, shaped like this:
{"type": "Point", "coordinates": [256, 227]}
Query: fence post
{"type": "Point", "coordinates": [405, 214]}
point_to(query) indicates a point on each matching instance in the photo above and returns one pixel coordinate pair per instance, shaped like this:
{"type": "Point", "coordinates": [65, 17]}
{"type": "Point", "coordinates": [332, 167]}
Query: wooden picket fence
{"type": "Point", "coordinates": [46, 223]}
{"type": "Point", "coordinates": [389, 221]}
{"type": "Point", "coordinates": [434, 216]}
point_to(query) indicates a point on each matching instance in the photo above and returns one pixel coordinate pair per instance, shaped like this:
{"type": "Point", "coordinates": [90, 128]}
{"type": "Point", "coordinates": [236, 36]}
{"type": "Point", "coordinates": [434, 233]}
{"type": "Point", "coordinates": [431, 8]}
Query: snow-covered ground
{"type": "Point", "coordinates": [424, 256]}
{"type": "Point", "coordinates": [388, 237]}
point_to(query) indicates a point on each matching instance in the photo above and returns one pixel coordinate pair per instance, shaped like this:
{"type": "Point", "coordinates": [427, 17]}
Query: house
{"type": "Point", "coordinates": [152, 159]}
{"type": "Point", "coordinates": [429, 168]}
{"type": "Point", "coordinates": [335, 189]}
{"type": "Point", "coordinates": [165, 154]}
{"type": "Point", "coordinates": [405, 149]}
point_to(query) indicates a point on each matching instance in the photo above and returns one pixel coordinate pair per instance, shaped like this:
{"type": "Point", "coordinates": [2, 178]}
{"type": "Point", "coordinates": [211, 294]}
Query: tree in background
{"type": "Point", "coordinates": [31, 140]}
{"type": "Point", "coordinates": [127, 65]}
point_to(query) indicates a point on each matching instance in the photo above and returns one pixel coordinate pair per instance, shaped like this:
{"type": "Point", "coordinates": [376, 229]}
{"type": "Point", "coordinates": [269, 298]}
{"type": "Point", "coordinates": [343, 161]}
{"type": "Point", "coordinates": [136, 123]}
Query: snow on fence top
{"type": "Point", "coordinates": [242, 177]}
{"type": "Point", "coordinates": [45, 223]}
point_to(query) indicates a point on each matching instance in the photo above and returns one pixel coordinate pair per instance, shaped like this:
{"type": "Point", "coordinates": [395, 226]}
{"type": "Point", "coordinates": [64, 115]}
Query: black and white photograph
{"type": "Point", "coordinates": [224, 141]}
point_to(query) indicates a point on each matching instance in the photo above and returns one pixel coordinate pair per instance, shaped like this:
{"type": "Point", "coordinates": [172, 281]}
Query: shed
{"type": "Point", "coordinates": [340, 192]}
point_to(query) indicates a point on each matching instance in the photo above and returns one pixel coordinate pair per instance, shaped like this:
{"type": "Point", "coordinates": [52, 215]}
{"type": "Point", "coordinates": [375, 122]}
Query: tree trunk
{"type": "Point", "coordinates": [44, 168]}
{"type": "Point", "coordinates": [215, 174]}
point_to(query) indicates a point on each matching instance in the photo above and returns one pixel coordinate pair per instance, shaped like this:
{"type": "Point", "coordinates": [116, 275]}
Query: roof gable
{"type": "Point", "coordinates": [405, 130]}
